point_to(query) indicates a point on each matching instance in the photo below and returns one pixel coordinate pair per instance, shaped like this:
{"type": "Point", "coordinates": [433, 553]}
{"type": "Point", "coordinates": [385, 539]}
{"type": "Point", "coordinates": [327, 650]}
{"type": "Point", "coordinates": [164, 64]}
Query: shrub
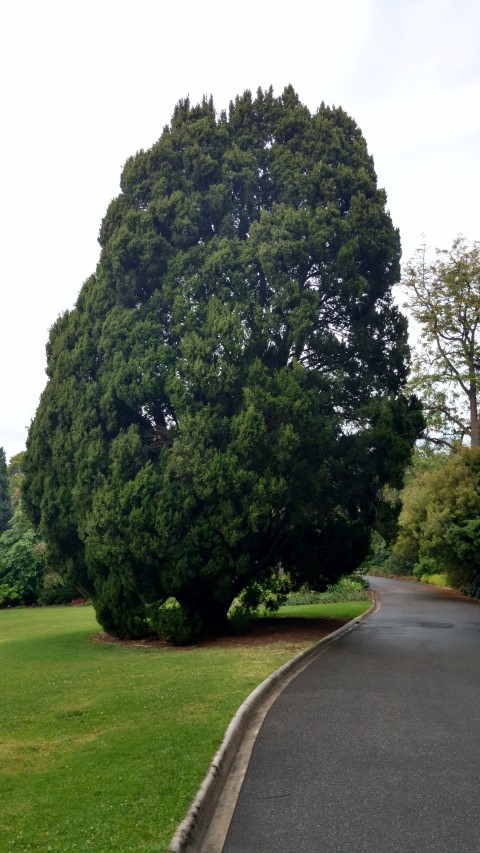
{"type": "Point", "coordinates": [9, 595]}
{"type": "Point", "coordinates": [438, 579]}
{"type": "Point", "coordinates": [425, 566]}
{"type": "Point", "coordinates": [348, 588]}
{"type": "Point", "coordinates": [269, 594]}
{"type": "Point", "coordinates": [171, 623]}
{"type": "Point", "coordinates": [473, 588]}
{"type": "Point", "coordinates": [304, 595]}
{"type": "Point", "coordinates": [240, 617]}
{"type": "Point", "coordinates": [54, 589]}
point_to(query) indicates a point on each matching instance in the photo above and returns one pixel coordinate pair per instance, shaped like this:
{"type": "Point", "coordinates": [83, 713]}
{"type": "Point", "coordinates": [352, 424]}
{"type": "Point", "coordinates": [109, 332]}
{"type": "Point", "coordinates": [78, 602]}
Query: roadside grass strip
{"type": "Point", "coordinates": [103, 746]}
{"type": "Point", "coordinates": [336, 610]}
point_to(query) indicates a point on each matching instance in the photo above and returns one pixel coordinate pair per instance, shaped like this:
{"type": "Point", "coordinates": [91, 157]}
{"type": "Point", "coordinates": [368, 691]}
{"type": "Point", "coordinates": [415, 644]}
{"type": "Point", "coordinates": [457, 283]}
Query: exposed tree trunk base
{"type": "Point", "coordinates": [212, 613]}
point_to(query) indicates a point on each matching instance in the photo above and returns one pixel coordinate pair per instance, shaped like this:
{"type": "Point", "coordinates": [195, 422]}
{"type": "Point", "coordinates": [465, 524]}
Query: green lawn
{"type": "Point", "coordinates": [103, 746]}
{"type": "Point", "coordinates": [334, 610]}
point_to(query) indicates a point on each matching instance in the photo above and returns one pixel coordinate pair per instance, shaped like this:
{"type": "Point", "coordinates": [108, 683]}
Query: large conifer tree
{"type": "Point", "coordinates": [227, 392]}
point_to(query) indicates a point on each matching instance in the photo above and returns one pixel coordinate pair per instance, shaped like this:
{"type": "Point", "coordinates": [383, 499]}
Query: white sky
{"type": "Point", "coordinates": [87, 84]}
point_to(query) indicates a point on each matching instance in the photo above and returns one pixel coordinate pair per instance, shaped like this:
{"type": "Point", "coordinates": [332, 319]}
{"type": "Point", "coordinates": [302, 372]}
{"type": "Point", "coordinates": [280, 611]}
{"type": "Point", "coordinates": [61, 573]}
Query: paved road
{"type": "Point", "coordinates": [375, 746]}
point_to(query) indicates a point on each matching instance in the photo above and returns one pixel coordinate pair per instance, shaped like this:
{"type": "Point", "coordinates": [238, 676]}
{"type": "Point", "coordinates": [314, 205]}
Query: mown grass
{"type": "Point", "coordinates": [335, 610]}
{"type": "Point", "coordinates": [103, 746]}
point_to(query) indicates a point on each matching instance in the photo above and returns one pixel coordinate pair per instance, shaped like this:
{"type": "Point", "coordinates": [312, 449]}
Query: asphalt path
{"type": "Point", "coordinates": [375, 746]}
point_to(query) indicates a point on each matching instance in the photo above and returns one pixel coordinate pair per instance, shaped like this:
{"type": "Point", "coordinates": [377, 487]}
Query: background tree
{"type": "Point", "coordinates": [24, 575]}
{"type": "Point", "coordinates": [440, 518]}
{"type": "Point", "coordinates": [6, 506]}
{"type": "Point", "coordinates": [227, 392]}
{"type": "Point", "coordinates": [444, 298]}
{"type": "Point", "coordinates": [15, 477]}
{"type": "Point", "coordinates": [22, 563]}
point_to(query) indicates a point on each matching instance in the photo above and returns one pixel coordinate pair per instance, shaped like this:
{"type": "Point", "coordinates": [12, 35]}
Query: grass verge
{"type": "Point", "coordinates": [103, 746]}
{"type": "Point", "coordinates": [337, 610]}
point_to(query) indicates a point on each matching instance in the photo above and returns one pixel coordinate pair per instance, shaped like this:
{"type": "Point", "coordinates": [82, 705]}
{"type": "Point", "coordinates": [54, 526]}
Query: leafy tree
{"type": "Point", "coordinates": [25, 577]}
{"type": "Point", "coordinates": [6, 506]}
{"type": "Point", "coordinates": [440, 517]}
{"type": "Point", "coordinates": [226, 394]}
{"type": "Point", "coordinates": [444, 298]}
{"type": "Point", "coordinates": [22, 553]}
{"type": "Point", "coordinates": [22, 562]}
{"type": "Point", "coordinates": [15, 477]}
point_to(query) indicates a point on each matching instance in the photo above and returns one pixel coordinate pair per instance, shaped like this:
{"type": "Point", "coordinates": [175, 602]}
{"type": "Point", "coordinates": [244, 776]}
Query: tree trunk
{"type": "Point", "coordinates": [474, 424]}
{"type": "Point", "coordinates": [212, 612]}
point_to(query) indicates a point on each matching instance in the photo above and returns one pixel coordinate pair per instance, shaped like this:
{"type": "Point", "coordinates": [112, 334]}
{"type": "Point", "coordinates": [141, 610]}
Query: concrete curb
{"type": "Point", "coordinates": [208, 793]}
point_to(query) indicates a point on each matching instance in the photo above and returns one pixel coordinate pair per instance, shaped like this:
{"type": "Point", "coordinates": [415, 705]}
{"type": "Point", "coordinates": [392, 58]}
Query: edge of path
{"type": "Point", "coordinates": [222, 776]}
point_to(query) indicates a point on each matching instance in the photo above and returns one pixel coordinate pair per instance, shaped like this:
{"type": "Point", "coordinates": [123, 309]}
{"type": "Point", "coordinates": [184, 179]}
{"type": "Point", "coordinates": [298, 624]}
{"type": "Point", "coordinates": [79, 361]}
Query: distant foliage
{"type": "Point", "coordinates": [440, 519]}
{"type": "Point", "coordinates": [379, 553]}
{"type": "Point", "coordinates": [15, 477]}
{"type": "Point", "coordinates": [384, 560]}
{"type": "Point", "coordinates": [6, 505]}
{"type": "Point", "coordinates": [25, 578]}
{"type": "Point", "coordinates": [348, 588]}
{"type": "Point", "coordinates": [22, 563]}
{"type": "Point", "coordinates": [24, 575]}
{"type": "Point", "coordinates": [437, 579]}
{"type": "Point", "coordinates": [444, 298]}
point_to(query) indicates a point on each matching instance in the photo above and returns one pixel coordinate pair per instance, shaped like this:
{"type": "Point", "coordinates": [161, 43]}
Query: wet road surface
{"type": "Point", "coordinates": [375, 746]}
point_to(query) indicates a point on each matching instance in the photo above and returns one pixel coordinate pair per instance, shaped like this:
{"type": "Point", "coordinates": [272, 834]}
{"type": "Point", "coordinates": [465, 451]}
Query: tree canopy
{"type": "Point", "coordinates": [22, 563]}
{"type": "Point", "coordinates": [444, 298]}
{"type": "Point", "coordinates": [440, 518]}
{"type": "Point", "coordinates": [226, 394]}
{"type": "Point", "coordinates": [15, 477]}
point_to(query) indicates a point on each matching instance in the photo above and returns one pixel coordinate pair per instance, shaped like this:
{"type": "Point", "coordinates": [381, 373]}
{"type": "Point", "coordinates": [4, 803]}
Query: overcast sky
{"type": "Point", "coordinates": [87, 84]}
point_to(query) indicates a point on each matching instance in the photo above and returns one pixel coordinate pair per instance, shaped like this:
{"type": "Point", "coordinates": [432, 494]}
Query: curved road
{"type": "Point", "coordinates": [375, 746]}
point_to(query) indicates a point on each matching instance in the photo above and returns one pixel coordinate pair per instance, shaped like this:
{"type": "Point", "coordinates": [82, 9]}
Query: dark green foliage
{"type": "Point", "coordinates": [6, 505]}
{"type": "Point", "coordinates": [269, 594]}
{"type": "Point", "coordinates": [171, 623]}
{"type": "Point", "coordinates": [472, 588]}
{"type": "Point", "coordinates": [379, 552]}
{"type": "Point", "coordinates": [241, 618]}
{"type": "Point", "coordinates": [388, 510]}
{"type": "Point", "coordinates": [227, 393]}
